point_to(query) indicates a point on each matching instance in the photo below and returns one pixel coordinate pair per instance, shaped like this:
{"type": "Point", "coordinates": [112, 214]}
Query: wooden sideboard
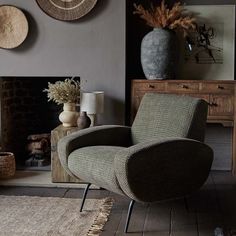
{"type": "Point", "coordinates": [220, 95]}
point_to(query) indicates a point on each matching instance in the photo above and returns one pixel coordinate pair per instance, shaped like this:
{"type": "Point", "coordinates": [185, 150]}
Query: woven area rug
{"type": "Point", "coordinates": [44, 216]}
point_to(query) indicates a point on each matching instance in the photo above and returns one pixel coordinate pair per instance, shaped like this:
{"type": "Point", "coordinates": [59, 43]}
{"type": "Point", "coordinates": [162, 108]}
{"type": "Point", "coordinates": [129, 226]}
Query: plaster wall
{"type": "Point", "coordinates": [92, 48]}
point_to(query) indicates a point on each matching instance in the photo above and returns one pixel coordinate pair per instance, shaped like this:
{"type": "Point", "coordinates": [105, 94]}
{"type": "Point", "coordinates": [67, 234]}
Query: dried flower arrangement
{"type": "Point", "coordinates": [67, 91]}
{"type": "Point", "coordinates": [163, 17]}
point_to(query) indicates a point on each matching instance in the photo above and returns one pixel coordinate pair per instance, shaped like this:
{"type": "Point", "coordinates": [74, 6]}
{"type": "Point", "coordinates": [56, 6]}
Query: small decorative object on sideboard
{"type": "Point", "coordinates": [67, 93]}
{"type": "Point", "coordinates": [7, 164]}
{"type": "Point", "coordinates": [159, 53]}
{"type": "Point", "coordinates": [83, 121]}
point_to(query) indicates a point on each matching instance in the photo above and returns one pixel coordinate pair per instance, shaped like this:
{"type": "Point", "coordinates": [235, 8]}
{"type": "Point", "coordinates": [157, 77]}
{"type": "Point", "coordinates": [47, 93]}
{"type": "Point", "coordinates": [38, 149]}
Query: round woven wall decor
{"type": "Point", "coordinates": [66, 10]}
{"type": "Point", "coordinates": [13, 27]}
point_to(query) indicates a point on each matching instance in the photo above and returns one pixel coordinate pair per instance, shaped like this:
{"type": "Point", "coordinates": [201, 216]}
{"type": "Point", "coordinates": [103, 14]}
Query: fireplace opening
{"type": "Point", "coordinates": [25, 111]}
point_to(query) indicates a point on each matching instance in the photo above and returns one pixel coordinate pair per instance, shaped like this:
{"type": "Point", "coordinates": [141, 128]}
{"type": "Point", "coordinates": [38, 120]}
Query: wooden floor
{"type": "Point", "coordinates": [211, 209]}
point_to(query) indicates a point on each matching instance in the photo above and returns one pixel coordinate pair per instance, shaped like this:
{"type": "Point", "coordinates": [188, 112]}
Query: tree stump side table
{"type": "Point", "coordinates": [58, 174]}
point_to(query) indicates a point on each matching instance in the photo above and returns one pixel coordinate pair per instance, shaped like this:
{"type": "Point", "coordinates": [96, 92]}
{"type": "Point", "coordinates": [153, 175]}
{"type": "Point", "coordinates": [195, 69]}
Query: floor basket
{"type": "Point", "coordinates": [7, 164]}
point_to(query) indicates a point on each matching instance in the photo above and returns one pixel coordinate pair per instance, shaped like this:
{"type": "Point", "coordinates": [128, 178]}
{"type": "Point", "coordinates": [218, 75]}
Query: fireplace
{"type": "Point", "coordinates": [25, 111]}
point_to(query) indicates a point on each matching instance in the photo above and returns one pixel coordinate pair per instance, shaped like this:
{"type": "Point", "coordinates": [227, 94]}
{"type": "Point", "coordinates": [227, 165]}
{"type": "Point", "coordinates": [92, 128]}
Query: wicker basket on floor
{"type": "Point", "coordinates": [7, 164]}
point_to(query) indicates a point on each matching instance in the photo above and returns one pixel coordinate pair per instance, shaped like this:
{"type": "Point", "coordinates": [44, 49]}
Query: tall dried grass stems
{"type": "Point", "coordinates": [162, 17]}
{"type": "Point", "coordinates": [67, 91]}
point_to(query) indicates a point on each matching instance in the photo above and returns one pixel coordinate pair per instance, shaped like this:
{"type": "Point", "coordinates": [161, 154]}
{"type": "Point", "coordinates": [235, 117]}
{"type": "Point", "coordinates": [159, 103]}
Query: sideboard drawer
{"type": "Point", "coordinates": [149, 87]}
{"type": "Point", "coordinates": [183, 87]}
{"type": "Point", "coordinates": [218, 105]}
{"type": "Point", "coordinates": [221, 105]}
{"type": "Point", "coordinates": [217, 88]}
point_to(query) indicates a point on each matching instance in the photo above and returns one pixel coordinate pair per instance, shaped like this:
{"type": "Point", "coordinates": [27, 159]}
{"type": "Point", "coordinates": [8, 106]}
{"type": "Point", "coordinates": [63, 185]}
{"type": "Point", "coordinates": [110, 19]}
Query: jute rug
{"type": "Point", "coordinates": [44, 216]}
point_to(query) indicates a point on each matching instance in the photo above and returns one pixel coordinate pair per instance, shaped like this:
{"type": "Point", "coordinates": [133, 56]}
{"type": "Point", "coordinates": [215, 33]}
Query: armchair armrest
{"type": "Point", "coordinates": [98, 135]}
{"type": "Point", "coordinates": [163, 169]}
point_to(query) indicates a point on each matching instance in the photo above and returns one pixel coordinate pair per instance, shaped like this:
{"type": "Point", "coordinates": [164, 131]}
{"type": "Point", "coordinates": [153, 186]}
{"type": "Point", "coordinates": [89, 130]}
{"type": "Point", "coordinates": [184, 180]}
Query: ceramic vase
{"type": "Point", "coordinates": [69, 115]}
{"type": "Point", "coordinates": [83, 120]}
{"type": "Point", "coordinates": [159, 54]}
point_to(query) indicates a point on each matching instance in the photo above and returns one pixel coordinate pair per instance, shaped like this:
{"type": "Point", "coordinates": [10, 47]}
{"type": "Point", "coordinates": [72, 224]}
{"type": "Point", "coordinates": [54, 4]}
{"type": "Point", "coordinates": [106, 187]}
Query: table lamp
{"type": "Point", "coordinates": [93, 104]}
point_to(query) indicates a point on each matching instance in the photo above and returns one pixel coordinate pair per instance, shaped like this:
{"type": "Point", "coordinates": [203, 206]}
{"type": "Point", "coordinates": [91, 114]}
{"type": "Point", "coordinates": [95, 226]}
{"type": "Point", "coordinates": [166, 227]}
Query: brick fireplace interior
{"type": "Point", "coordinates": [25, 111]}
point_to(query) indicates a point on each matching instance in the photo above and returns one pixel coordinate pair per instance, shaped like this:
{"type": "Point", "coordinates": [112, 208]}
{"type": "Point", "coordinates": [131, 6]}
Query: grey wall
{"type": "Point", "coordinates": [93, 48]}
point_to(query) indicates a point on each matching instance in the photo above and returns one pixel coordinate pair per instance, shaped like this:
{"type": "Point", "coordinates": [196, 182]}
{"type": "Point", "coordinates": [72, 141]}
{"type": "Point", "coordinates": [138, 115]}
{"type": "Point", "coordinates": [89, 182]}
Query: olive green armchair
{"type": "Point", "coordinates": [161, 156]}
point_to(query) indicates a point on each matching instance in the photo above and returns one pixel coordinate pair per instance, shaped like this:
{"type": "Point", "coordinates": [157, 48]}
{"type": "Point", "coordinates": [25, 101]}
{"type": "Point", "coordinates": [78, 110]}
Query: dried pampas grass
{"type": "Point", "coordinates": [163, 17]}
{"type": "Point", "coordinates": [64, 91]}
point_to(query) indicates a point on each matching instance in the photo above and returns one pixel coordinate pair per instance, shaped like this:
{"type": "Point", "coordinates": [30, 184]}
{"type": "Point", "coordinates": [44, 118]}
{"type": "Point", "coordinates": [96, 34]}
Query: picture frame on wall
{"type": "Point", "coordinates": [212, 45]}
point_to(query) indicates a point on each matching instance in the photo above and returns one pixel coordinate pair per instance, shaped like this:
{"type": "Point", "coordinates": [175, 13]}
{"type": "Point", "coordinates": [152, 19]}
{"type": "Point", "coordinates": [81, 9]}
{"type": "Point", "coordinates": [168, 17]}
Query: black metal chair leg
{"type": "Point", "coordinates": [131, 204]}
{"type": "Point", "coordinates": [84, 196]}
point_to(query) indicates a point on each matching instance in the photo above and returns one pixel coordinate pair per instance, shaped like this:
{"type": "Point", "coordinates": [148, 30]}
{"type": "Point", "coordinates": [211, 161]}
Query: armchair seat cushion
{"type": "Point", "coordinates": [95, 164]}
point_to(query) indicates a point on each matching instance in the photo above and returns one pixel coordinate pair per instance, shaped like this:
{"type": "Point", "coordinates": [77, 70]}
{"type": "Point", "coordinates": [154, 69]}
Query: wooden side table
{"type": "Point", "coordinates": [59, 175]}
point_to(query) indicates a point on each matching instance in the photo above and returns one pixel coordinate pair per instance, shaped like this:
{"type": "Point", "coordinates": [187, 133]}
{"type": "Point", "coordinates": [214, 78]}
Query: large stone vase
{"type": "Point", "coordinates": [159, 54]}
{"type": "Point", "coordinates": [69, 115]}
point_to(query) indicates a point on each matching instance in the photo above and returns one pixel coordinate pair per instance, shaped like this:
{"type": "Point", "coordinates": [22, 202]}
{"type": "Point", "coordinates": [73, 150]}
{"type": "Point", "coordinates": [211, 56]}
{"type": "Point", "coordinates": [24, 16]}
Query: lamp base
{"type": "Point", "coordinates": [93, 119]}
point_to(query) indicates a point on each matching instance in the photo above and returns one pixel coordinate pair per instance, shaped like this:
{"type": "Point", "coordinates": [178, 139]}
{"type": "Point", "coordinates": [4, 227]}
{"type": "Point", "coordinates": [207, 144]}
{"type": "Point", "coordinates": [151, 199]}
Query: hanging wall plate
{"type": "Point", "coordinates": [13, 27]}
{"type": "Point", "coordinates": [66, 10]}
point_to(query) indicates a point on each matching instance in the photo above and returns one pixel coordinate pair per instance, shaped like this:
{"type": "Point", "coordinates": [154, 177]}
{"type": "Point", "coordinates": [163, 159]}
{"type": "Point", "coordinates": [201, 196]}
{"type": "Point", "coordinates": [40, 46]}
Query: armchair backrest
{"type": "Point", "coordinates": [167, 115]}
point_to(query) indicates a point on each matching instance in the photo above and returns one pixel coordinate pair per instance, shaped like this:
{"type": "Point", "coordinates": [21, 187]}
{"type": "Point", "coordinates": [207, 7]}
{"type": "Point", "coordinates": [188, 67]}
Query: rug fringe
{"type": "Point", "coordinates": [104, 211]}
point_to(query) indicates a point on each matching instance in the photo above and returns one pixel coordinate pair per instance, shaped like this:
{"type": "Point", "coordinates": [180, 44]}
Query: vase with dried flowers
{"type": "Point", "coordinates": [159, 48]}
{"type": "Point", "coordinates": [65, 92]}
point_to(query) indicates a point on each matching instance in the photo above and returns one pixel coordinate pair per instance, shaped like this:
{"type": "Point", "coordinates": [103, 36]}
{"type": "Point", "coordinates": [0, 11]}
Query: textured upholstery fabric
{"type": "Point", "coordinates": [162, 169]}
{"type": "Point", "coordinates": [115, 135]}
{"type": "Point", "coordinates": [165, 115]}
{"type": "Point", "coordinates": [95, 164]}
{"type": "Point", "coordinates": [159, 157]}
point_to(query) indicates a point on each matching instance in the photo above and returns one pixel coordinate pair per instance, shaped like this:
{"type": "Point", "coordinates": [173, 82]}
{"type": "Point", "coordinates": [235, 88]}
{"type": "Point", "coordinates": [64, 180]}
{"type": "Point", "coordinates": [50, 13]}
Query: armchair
{"type": "Point", "coordinates": [161, 156]}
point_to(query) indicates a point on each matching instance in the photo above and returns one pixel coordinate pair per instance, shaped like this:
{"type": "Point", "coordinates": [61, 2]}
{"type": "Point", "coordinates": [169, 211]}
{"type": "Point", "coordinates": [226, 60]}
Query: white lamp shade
{"type": "Point", "coordinates": [92, 102]}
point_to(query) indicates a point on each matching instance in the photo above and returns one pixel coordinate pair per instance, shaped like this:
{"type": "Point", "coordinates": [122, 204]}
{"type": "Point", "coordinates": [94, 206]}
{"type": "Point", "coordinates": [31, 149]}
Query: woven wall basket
{"type": "Point", "coordinates": [66, 10]}
{"type": "Point", "coordinates": [13, 27]}
{"type": "Point", "coordinates": [7, 164]}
